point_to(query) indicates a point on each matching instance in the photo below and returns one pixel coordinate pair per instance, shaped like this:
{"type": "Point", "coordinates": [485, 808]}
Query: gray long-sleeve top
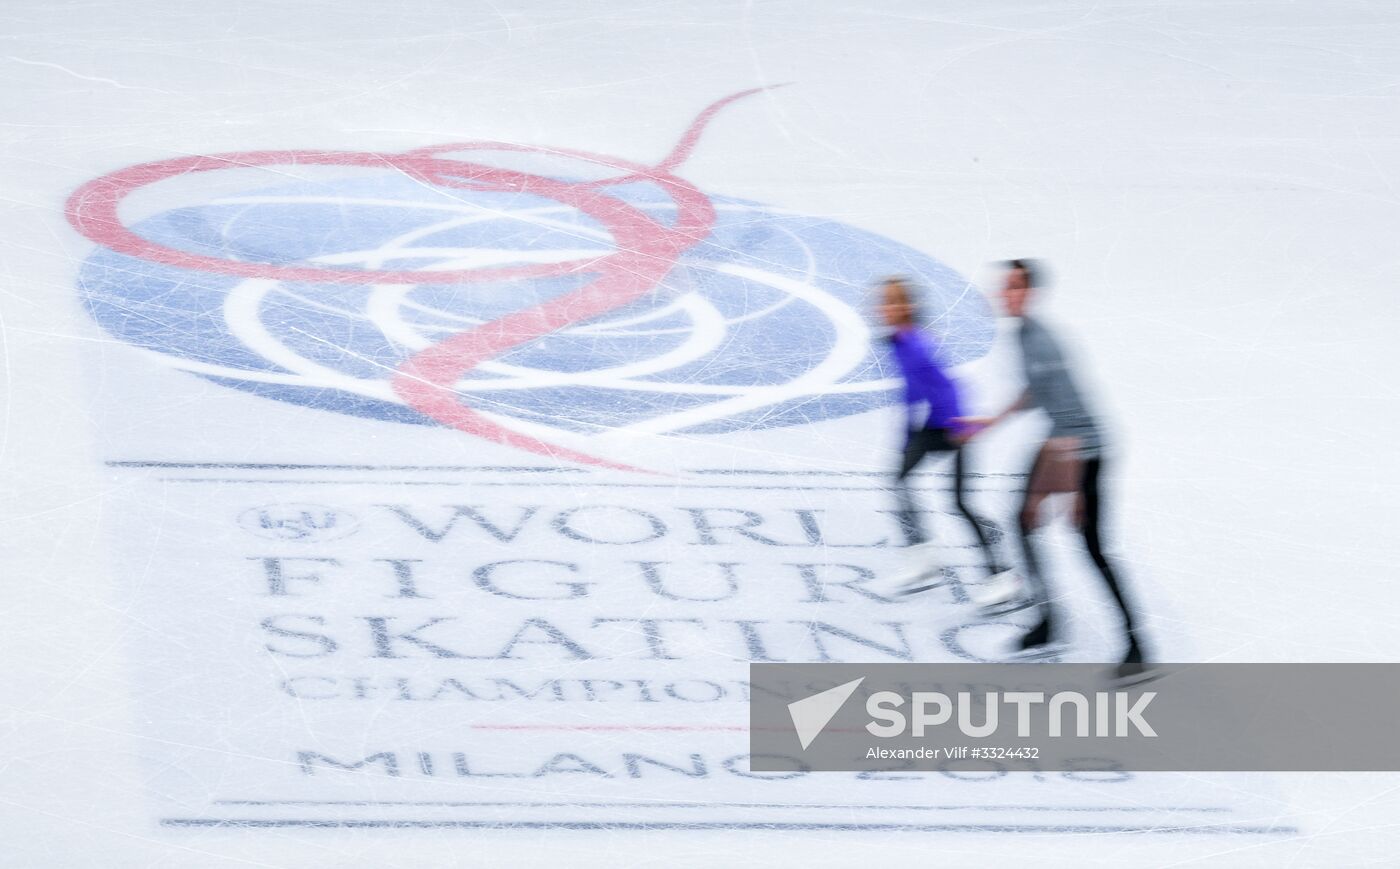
{"type": "Point", "coordinates": [1051, 387]}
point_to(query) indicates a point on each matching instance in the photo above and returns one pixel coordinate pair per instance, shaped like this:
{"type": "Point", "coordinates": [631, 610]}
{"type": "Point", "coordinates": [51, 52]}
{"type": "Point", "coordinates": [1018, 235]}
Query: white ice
{"type": "Point", "coordinates": [1214, 185]}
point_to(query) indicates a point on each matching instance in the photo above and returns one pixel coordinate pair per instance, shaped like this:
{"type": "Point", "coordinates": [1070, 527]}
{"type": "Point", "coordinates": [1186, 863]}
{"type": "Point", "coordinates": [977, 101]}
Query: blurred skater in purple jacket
{"type": "Point", "coordinates": [931, 400]}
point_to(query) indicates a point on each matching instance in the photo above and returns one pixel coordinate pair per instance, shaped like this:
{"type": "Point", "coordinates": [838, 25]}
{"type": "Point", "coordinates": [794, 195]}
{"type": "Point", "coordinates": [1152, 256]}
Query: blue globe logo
{"type": "Point", "coordinates": [521, 291]}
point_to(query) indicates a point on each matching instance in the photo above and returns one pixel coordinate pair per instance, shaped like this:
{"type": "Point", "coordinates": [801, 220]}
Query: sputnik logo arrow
{"type": "Point", "coordinates": [811, 714]}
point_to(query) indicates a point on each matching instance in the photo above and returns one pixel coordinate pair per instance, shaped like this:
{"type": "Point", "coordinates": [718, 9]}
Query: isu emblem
{"type": "Point", "coordinates": [511, 292]}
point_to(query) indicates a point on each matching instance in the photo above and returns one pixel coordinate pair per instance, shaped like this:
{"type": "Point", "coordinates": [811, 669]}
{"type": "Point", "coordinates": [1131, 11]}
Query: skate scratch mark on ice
{"type": "Point", "coordinates": [78, 75]}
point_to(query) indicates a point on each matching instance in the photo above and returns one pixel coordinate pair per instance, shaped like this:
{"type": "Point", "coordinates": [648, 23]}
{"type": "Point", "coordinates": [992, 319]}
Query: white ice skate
{"type": "Point", "coordinates": [1003, 588]}
{"type": "Point", "coordinates": [1001, 595]}
{"type": "Point", "coordinates": [921, 570]}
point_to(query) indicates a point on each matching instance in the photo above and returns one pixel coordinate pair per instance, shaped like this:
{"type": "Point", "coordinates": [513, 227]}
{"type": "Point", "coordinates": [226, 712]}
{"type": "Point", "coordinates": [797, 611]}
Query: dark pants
{"type": "Point", "coordinates": [1090, 510]}
{"type": "Point", "coordinates": [936, 441]}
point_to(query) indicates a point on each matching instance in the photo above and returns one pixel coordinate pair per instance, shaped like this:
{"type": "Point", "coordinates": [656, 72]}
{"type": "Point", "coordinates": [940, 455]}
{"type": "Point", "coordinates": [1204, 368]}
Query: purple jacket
{"type": "Point", "coordinates": [924, 382]}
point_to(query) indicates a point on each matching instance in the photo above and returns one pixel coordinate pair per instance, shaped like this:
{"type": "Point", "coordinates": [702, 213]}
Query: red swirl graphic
{"type": "Point", "coordinates": [645, 251]}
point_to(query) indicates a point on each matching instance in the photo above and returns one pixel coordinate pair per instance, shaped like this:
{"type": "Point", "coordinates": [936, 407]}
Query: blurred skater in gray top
{"type": "Point", "coordinates": [1070, 461]}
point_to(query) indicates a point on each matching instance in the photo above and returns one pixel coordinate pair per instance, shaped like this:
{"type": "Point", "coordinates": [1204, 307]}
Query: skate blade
{"type": "Point", "coordinates": [916, 587]}
{"type": "Point", "coordinates": [929, 578]}
{"type": "Point", "coordinates": [1006, 608]}
{"type": "Point", "coordinates": [997, 591]}
{"type": "Point", "coordinates": [1128, 678]}
{"type": "Point", "coordinates": [1049, 653]}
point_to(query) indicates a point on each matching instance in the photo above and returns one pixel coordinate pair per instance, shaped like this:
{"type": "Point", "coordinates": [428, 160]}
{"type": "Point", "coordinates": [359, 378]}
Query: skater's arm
{"type": "Point", "coordinates": [979, 424]}
{"type": "Point", "coordinates": [1021, 403]}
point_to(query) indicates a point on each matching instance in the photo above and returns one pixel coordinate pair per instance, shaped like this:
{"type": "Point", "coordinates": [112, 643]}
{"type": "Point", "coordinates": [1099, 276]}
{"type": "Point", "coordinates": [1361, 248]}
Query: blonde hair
{"type": "Point", "coordinates": [908, 295]}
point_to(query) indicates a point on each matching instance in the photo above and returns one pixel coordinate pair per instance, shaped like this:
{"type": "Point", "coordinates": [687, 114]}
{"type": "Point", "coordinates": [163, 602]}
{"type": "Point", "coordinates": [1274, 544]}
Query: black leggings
{"type": "Point", "coordinates": [937, 441]}
{"type": "Point", "coordinates": [1092, 510]}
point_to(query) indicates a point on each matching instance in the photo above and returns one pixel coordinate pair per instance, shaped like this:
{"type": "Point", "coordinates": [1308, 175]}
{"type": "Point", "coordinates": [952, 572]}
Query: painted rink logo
{"type": "Point", "coordinates": [537, 297]}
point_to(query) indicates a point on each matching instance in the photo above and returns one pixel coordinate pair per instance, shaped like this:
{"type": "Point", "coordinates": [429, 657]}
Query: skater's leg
{"type": "Point", "coordinates": [919, 565]}
{"type": "Point", "coordinates": [989, 558]}
{"type": "Point", "coordinates": [907, 512]}
{"type": "Point", "coordinates": [1092, 512]}
{"type": "Point", "coordinates": [1027, 521]}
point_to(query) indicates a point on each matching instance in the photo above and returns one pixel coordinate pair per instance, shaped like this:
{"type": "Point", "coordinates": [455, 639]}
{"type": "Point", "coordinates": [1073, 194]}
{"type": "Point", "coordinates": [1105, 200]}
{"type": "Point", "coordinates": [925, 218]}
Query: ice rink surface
{"type": "Point", "coordinates": [272, 600]}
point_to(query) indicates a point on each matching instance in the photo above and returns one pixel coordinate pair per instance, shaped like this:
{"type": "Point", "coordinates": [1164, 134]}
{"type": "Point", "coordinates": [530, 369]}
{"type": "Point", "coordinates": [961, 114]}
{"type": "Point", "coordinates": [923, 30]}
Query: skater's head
{"type": "Point", "coordinates": [896, 301]}
{"type": "Point", "coordinates": [1023, 278]}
